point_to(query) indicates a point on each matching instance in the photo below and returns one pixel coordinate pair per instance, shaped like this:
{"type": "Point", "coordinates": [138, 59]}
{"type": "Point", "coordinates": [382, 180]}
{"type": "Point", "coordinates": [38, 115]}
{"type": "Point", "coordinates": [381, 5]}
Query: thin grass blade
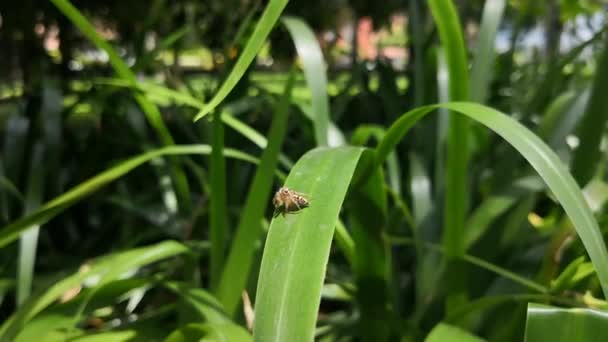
{"type": "Point", "coordinates": [311, 56]}
{"type": "Point", "coordinates": [52, 208]}
{"type": "Point", "coordinates": [264, 26]}
{"type": "Point", "coordinates": [238, 265]}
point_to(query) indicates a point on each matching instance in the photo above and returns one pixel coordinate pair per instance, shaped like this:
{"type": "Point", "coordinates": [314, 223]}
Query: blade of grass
{"type": "Point", "coordinates": [372, 258]}
{"type": "Point", "coordinates": [297, 247]}
{"type": "Point", "coordinates": [335, 137]}
{"type": "Point", "coordinates": [151, 112]}
{"type": "Point", "coordinates": [50, 209]}
{"type": "Point", "coordinates": [238, 265]}
{"type": "Point", "coordinates": [361, 137]}
{"type": "Point", "coordinates": [587, 156]}
{"type": "Point", "coordinates": [420, 187]}
{"type": "Point", "coordinates": [218, 212]}
{"type": "Point", "coordinates": [540, 156]}
{"type": "Point", "coordinates": [29, 239]}
{"type": "Point", "coordinates": [485, 54]}
{"type": "Point", "coordinates": [417, 33]}
{"type": "Point", "coordinates": [311, 56]}
{"type": "Point", "coordinates": [450, 33]}
{"type": "Point", "coordinates": [15, 143]}
{"type": "Point", "coordinates": [455, 195]}
{"type": "Point", "coordinates": [262, 29]}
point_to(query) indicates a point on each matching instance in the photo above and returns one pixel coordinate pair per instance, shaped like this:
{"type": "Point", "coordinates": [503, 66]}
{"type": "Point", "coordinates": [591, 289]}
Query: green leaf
{"type": "Point", "coordinates": [546, 323]}
{"type": "Point", "coordinates": [298, 244]}
{"type": "Point", "coordinates": [538, 154]}
{"type": "Point", "coordinates": [107, 268]}
{"type": "Point", "coordinates": [238, 266]}
{"type": "Point", "coordinates": [311, 56]}
{"type": "Point", "coordinates": [264, 26]}
{"type": "Point", "coordinates": [50, 209]}
{"type": "Point", "coordinates": [445, 332]}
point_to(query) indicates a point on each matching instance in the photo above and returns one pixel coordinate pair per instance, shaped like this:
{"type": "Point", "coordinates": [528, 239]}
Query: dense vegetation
{"type": "Point", "coordinates": [451, 157]}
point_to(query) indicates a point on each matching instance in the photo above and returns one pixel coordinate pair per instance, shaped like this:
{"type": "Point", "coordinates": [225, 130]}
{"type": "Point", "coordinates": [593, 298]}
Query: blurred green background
{"type": "Point", "coordinates": [141, 143]}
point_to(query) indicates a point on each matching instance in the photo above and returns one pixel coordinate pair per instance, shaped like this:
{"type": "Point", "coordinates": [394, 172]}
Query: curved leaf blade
{"type": "Point", "coordinates": [538, 154]}
{"type": "Point", "coordinates": [311, 56]}
{"type": "Point", "coordinates": [238, 265]}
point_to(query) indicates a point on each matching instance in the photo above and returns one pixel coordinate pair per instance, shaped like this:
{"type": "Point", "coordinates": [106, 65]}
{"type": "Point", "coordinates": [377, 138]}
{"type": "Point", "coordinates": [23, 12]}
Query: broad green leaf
{"type": "Point", "coordinates": [311, 56]}
{"type": "Point", "coordinates": [546, 323]}
{"type": "Point", "coordinates": [238, 266]}
{"type": "Point", "coordinates": [445, 332]}
{"type": "Point", "coordinates": [264, 26]}
{"type": "Point", "coordinates": [543, 160]}
{"type": "Point", "coordinates": [106, 268]}
{"type": "Point", "coordinates": [50, 209]}
{"type": "Point", "coordinates": [298, 244]}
